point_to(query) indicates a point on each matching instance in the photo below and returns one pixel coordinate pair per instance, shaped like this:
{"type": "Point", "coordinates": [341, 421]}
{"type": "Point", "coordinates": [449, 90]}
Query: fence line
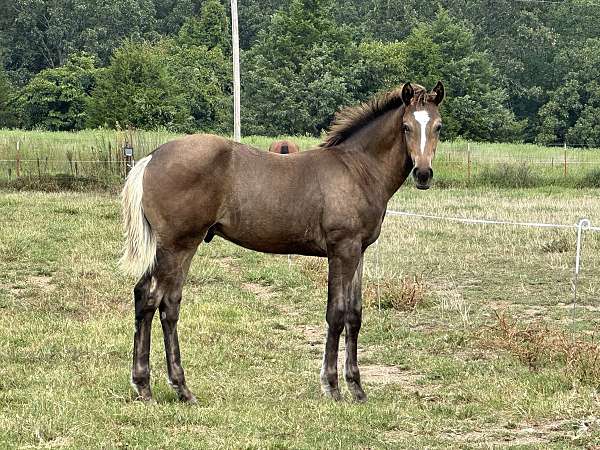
{"type": "Point", "coordinates": [582, 226]}
{"type": "Point", "coordinates": [391, 212]}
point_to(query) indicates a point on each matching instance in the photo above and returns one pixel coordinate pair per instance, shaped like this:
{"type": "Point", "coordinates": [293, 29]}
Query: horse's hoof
{"type": "Point", "coordinates": [144, 393]}
{"type": "Point", "coordinates": [358, 394]}
{"type": "Point", "coordinates": [185, 395]}
{"type": "Point", "coordinates": [359, 397]}
{"type": "Point", "coordinates": [190, 400]}
{"type": "Point", "coordinates": [333, 394]}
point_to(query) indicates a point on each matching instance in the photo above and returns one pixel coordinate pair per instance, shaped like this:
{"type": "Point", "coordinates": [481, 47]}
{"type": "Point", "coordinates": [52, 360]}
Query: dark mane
{"type": "Point", "coordinates": [351, 119]}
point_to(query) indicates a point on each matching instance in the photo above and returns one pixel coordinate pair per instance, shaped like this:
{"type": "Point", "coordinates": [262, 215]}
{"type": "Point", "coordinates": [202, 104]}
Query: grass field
{"type": "Point", "coordinates": [444, 374]}
{"type": "Point", "coordinates": [92, 159]}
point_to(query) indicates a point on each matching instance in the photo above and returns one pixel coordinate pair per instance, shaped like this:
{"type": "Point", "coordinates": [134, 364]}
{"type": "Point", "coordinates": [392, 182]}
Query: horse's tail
{"type": "Point", "coordinates": [139, 255]}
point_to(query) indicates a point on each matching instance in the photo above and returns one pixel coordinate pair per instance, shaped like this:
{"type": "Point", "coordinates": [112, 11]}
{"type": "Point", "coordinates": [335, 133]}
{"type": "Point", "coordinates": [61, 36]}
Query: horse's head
{"type": "Point", "coordinates": [421, 125]}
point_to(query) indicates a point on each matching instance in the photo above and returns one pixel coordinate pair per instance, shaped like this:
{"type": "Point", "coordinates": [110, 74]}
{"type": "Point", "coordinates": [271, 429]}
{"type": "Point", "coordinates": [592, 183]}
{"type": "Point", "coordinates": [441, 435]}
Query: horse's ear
{"type": "Point", "coordinates": [407, 93]}
{"type": "Point", "coordinates": [439, 93]}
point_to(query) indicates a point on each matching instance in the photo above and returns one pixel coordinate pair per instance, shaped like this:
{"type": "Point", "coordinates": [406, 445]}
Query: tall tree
{"type": "Point", "coordinates": [572, 113]}
{"type": "Point", "coordinates": [476, 104]}
{"type": "Point", "coordinates": [43, 34]}
{"type": "Point", "coordinates": [56, 99]}
{"type": "Point", "coordinates": [210, 29]}
{"type": "Point", "coordinates": [301, 69]}
{"type": "Point", "coordinates": [138, 89]}
{"type": "Point", "coordinates": [8, 114]}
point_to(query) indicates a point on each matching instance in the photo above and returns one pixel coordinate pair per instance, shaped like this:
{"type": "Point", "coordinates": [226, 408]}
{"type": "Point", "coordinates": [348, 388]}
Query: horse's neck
{"type": "Point", "coordinates": [388, 159]}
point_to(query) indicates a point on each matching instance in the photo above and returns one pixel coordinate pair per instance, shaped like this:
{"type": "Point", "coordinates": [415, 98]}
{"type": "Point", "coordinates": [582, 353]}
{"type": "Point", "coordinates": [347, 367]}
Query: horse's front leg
{"type": "Point", "coordinates": [353, 323]}
{"type": "Point", "coordinates": [344, 257]}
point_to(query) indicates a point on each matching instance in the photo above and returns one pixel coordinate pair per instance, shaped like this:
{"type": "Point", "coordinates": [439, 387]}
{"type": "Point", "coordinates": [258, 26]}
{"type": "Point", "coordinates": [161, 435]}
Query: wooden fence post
{"type": "Point", "coordinates": [18, 159]}
{"type": "Point", "coordinates": [469, 162]}
{"type": "Point", "coordinates": [565, 152]}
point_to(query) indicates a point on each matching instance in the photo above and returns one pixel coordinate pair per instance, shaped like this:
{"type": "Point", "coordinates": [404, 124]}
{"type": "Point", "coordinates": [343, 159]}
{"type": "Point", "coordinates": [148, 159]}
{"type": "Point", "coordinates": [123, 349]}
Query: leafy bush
{"type": "Point", "coordinates": [590, 179]}
{"type": "Point", "coordinates": [137, 89]}
{"type": "Point", "coordinates": [8, 113]}
{"type": "Point", "coordinates": [56, 99]}
{"type": "Point", "coordinates": [508, 176]}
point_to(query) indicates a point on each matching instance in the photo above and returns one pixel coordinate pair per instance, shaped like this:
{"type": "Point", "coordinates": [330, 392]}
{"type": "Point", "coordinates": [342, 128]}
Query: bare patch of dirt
{"type": "Point", "coordinates": [314, 334]}
{"type": "Point", "coordinates": [591, 308]}
{"type": "Point", "coordinates": [227, 263]}
{"type": "Point", "coordinates": [523, 434]}
{"type": "Point", "coordinates": [42, 282]}
{"type": "Point", "coordinates": [259, 290]}
{"type": "Point", "coordinates": [379, 374]}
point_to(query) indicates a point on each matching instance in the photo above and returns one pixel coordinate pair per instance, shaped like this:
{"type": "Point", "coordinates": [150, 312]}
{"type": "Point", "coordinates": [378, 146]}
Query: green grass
{"type": "Point", "coordinates": [251, 330]}
{"type": "Point", "coordinates": [91, 159]}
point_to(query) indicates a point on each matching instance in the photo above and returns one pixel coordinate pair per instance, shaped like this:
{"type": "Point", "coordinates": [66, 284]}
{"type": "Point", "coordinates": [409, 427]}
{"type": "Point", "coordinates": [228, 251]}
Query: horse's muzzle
{"type": "Point", "coordinates": [423, 177]}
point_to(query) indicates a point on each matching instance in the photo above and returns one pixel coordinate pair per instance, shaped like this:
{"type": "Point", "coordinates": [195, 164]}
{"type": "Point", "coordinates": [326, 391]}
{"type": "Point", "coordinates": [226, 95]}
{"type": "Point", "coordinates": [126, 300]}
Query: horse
{"type": "Point", "coordinates": [191, 189]}
{"type": "Point", "coordinates": [284, 147]}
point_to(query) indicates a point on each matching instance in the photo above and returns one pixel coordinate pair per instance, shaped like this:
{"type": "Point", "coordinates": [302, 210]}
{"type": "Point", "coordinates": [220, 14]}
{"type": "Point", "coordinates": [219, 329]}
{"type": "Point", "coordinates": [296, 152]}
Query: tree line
{"type": "Point", "coordinates": [514, 71]}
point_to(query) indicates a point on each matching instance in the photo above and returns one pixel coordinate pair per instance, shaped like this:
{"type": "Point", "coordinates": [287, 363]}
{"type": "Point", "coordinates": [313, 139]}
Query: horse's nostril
{"type": "Point", "coordinates": [423, 176]}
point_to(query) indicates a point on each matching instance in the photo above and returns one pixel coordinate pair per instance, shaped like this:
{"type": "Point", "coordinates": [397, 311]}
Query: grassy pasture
{"type": "Point", "coordinates": [437, 376]}
{"type": "Point", "coordinates": [92, 159]}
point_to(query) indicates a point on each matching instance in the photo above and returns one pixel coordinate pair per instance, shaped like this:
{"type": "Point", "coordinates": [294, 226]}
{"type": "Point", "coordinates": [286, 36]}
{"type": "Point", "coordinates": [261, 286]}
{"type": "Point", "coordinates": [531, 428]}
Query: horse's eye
{"type": "Point", "coordinates": [438, 127]}
{"type": "Point", "coordinates": [405, 128]}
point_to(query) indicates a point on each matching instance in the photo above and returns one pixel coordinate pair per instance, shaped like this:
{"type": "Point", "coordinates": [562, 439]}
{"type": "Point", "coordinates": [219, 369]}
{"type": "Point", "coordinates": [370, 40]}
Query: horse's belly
{"type": "Point", "coordinates": [268, 240]}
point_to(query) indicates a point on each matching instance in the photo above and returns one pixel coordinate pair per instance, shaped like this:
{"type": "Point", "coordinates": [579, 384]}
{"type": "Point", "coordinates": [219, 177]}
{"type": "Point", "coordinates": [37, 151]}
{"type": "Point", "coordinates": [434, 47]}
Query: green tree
{"type": "Point", "coordinates": [138, 89]}
{"type": "Point", "coordinates": [211, 29]}
{"type": "Point", "coordinates": [476, 104]}
{"type": "Point", "coordinates": [40, 34]}
{"type": "Point", "coordinates": [299, 71]}
{"type": "Point", "coordinates": [572, 112]}
{"type": "Point", "coordinates": [383, 66]}
{"type": "Point", "coordinates": [8, 114]}
{"type": "Point", "coordinates": [55, 99]}
{"type": "Point", "coordinates": [203, 77]}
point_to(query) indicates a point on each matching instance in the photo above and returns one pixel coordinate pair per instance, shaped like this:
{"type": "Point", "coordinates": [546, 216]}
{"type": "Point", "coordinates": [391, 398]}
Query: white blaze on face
{"type": "Point", "coordinates": [423, 118]}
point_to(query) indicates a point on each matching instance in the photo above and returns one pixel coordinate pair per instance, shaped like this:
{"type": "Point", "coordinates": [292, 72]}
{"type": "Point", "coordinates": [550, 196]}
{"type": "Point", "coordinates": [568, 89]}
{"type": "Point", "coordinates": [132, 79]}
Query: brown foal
{"type": "Point", "coordinates": [191, 189]}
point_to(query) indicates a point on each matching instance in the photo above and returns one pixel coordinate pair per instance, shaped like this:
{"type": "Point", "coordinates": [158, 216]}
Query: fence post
{"type": "Point", "coordinates": [565, 152]}
{"type": "Point", "coordinates": [18, 159]}
{"type": "Point", "coordinates": [469, 162]}
{"type": "Point", "coordinates": [128, 154]}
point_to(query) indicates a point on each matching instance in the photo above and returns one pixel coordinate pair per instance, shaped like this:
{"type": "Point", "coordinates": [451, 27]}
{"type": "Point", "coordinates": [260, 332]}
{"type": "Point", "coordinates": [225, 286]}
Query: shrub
{"type": "Point", "coordinates": [508, 176]}
{"type": "Point", "coordinates": [590, 179]}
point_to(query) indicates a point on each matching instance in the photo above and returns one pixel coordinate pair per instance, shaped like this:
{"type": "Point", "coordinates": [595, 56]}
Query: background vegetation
{"type": "Point", "coordinates": [92, 159]}
{"type": "Point", "coordinates": [515, 71]}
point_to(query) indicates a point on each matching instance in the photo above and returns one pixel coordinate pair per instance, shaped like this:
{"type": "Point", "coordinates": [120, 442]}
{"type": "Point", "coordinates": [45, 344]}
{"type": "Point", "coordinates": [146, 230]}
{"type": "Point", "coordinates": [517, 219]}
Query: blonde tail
{"type": "Point", "coordinates": [139, 254]}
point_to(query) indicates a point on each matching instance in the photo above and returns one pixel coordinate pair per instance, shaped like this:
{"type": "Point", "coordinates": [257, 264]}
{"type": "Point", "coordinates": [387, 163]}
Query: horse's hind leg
{"type": "Point", "coordinates": [146, 303]}
{"type": "Point", "coordinates": [160, 289]}
{"type": "Point", "coordinates": [353, 323]}
{"type": "Point", "coordinates": [169, 315]}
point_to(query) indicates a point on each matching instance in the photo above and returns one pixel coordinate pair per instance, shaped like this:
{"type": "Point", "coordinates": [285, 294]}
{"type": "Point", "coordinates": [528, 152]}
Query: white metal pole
{"type": "Point", "coordinates": [237, 126]}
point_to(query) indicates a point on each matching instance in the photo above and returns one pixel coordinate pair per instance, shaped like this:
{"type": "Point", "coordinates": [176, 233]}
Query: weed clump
{"type": "Point", "coordinates": [402, 294]}
{"type": "Point", "coordinates": [590, 179]}
{"type": "Point", "coordinates": [538, 345]}
{"type": "Point", "coordinates": [558, 244]}
{"type": "Point", "coordinates": [508, 176]}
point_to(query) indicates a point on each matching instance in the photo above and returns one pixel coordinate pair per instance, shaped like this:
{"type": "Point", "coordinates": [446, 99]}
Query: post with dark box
{"type": "Point", "coordinates": [128, 155]}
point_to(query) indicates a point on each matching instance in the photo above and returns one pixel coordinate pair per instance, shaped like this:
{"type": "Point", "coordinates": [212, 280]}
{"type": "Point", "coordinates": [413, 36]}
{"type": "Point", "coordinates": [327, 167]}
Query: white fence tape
{"type": "Point", "coordinates": [582, 226]}
{"type": "Point", "coordinates": [390, 212]}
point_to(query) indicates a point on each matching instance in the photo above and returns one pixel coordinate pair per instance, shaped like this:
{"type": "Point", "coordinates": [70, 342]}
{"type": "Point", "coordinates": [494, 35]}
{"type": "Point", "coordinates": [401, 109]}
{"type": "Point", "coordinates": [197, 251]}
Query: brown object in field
{"type": "Point", "coordinates": [331, 202]}
{"type": "Point", "coordinates": [283, 147]}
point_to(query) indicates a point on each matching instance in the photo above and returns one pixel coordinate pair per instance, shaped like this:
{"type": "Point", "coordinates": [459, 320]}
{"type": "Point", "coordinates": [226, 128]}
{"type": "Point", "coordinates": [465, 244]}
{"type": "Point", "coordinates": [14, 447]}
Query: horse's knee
{"type": "Point", "coordinates": [354, 320]}
{"type": "Point", "coordinates": [335, 317]}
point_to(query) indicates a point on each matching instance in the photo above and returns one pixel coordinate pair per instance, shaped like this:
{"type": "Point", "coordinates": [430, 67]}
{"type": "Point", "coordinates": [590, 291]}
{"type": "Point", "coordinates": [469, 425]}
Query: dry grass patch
{"type": "Point", "coordinates": [537, 345]}
{"type": "Point", "coordinates": [404, 293]}
{"type": "Point", "coordinates": [314, 268]}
